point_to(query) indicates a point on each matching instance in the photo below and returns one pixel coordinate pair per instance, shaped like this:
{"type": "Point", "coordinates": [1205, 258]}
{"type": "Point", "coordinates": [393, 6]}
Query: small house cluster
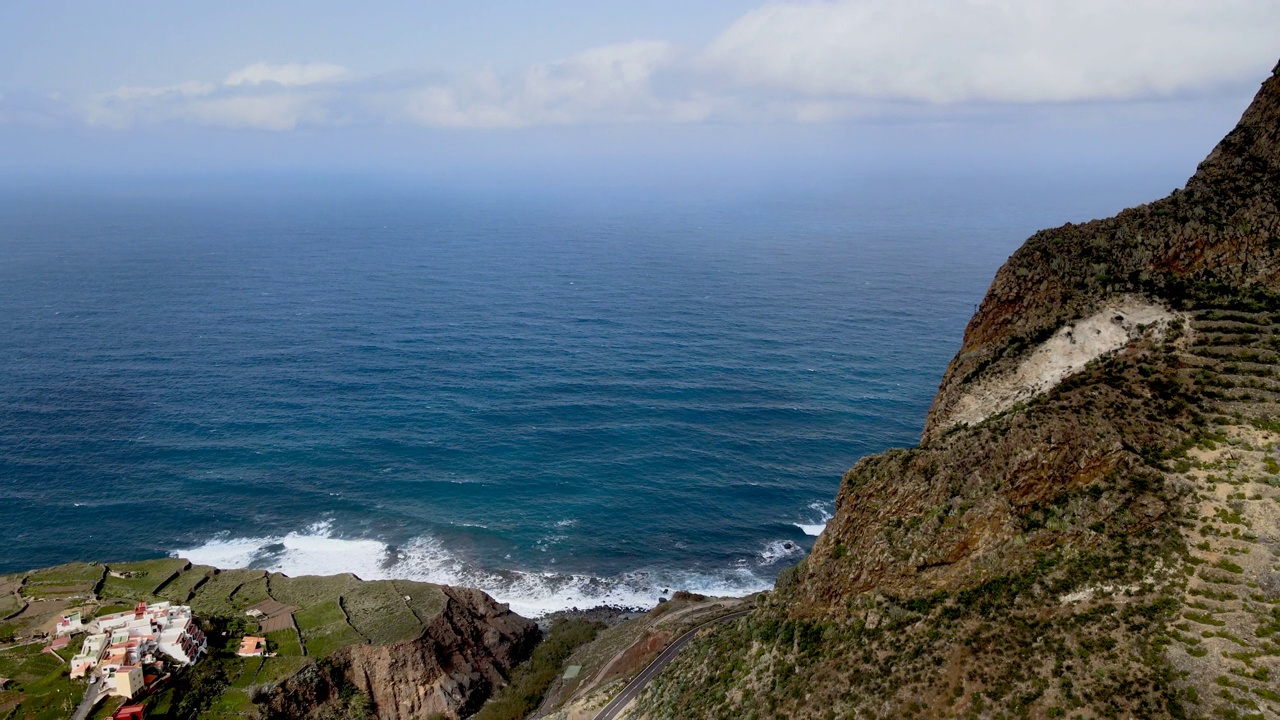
{"type": "Point", "coordinates": [121, 643]}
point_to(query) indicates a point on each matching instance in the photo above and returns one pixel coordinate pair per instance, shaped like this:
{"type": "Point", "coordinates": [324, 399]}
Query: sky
{"type": "Point", "coordinates": [590, 89]}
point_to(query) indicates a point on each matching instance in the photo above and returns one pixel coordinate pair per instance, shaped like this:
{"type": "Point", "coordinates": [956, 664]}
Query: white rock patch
{"type": "Point", "coordinates": [1065, 353]}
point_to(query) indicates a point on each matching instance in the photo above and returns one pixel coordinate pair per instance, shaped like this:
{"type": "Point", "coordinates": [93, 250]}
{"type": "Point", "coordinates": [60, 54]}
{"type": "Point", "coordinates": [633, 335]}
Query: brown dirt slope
{"type": "Point", "coordinates": [1107, 547]}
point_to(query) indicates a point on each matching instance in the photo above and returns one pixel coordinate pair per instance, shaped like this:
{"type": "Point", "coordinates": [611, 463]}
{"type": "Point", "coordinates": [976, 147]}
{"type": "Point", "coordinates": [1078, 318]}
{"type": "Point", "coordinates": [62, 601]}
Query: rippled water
{"type": "Point", "coordinates": [562, 400]}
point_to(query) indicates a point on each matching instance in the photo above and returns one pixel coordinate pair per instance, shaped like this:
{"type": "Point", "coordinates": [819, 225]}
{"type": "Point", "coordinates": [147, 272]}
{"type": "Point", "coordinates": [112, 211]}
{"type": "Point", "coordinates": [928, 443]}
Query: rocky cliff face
{"type": "Point", "coordinates": [1091, 524]}
{"type": "Point", "coordinates": [465, 652]}
{"type": "Point", "coordinates": [1219, 230]}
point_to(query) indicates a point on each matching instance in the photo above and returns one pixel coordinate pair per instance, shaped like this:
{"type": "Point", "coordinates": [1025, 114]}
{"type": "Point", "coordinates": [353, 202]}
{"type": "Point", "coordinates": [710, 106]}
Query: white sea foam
{"type": "Point", "coordinates": [316, 551]}
{"type": "Point", "coordinates": [822, 509]}
{"type": "Point", "coordinates": [779, 550]}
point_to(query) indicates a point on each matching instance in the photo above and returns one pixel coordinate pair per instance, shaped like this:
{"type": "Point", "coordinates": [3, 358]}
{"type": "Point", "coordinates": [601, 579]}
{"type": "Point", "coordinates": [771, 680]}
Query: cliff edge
{"type": "Point", "coordinates": [326, 646]}
{"type": "Point", "coordinates": [1090, 526]}
{"type": "Point", "coordinates": [1219, 230]}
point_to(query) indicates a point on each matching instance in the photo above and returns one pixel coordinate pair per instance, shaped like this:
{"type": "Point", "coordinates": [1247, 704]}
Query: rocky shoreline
{"type": "Point", "coordinates": [609, 615]}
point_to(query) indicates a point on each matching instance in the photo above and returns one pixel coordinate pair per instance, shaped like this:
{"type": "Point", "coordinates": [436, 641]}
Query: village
{"type": "Point", "coordinates": [162, 639]}
{"type": "Point", "coordinates": [133, 653]}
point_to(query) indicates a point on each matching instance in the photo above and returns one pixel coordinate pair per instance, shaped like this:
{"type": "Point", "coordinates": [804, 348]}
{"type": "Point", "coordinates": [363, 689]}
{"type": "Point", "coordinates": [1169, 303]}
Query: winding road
{"type": "Point", "coordinates": [633, 688]}
{"type": "Point", "coordinates": [96, 692]}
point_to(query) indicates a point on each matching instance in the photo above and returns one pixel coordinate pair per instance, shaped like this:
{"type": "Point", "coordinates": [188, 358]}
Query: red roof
{"type": "Point", "coordinates": [130, 712]}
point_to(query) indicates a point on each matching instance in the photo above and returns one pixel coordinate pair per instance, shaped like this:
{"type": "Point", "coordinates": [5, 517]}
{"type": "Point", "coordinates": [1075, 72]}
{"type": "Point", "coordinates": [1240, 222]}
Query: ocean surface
{"type": "Point", "coordinates": [561, 398]}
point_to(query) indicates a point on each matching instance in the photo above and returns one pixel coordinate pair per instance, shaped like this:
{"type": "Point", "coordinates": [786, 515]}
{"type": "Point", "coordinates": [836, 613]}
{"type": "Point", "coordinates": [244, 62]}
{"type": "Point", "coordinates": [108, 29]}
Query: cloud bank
{"type": "Point", "coordinates": [786, 61]}
{"type": "Point", "coordinates": [261, 96]}
{"type": "Point", "coordinates": [1009, 51]}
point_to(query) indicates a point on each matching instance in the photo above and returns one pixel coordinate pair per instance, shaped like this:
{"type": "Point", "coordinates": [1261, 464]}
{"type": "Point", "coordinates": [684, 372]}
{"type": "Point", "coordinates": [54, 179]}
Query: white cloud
{"type": "Point", "coordinates": [260, 96]}
{"type": "Point", "coordinates": [612, 83]}
{"type": "Point", "coordinates": [267, 112]}
{"type": "Point", "coordinates": [812, 61]}
{"type": "Point", "coordinates": [287, 75]}
{"type": "Point", "coordinates": [124, 106]}
{"type": "Point", "coordinates": [1020, 51]}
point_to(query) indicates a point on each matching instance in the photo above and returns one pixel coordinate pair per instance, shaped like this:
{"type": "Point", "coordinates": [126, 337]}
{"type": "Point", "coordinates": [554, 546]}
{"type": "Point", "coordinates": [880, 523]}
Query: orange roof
{"type": "Point", "coordinates": [250, 645]}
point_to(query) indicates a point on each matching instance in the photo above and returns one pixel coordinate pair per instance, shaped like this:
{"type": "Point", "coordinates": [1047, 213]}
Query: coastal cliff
{"type": "Point", "coordinates": [1090, 526]}
{"type": "Point", "coordinates": [463, 654]}
{"type": "Point", "coordinates": [1219, 232]}
{"type": "Point", "coordinates": [336, 646]}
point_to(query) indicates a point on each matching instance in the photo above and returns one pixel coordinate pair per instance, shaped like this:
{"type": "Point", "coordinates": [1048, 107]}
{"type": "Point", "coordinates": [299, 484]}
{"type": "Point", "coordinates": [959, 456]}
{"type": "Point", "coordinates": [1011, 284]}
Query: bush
{"type": "Point", "coordinates": [531, 680]}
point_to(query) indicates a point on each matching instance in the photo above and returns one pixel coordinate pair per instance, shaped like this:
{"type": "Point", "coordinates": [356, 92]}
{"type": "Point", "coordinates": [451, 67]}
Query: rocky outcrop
{"type": "Point", "coordinates": [953, 512]}
{"type": "Point", "coordinates": [463, 654]}
{"type": "Point", "coordinates": [1223, 229]}
{"type": "Point", "coordinates": [1071, 348]}
{"type": "Point", "coordinates": [1070, 538]}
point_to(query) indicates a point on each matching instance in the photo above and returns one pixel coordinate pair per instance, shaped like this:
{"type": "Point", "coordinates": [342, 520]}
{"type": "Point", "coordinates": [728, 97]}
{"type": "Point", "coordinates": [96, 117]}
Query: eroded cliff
{"type": "Point", "coordinates": [463, 654]}
{"type": "Point", "coordinates": [336, 646]}
{"type": "Point", "coordinates": [1089, 527]}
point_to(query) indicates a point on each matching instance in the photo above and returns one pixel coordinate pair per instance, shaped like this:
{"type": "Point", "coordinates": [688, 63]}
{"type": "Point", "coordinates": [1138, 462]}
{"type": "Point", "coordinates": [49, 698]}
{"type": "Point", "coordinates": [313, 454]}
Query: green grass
{"type": "Point", "coordinates": [377, 608]}
{"type": "Point", "coordinates": [63, 580]}
{"type": "Point", "coordinates": [27, 664]}
{"type": "Point", "coordinates": [112, 608]}
{"type": "Point", "coordinates": [39, 616]}
{"type": "Point", "coordinates": [275, 669]}
{"type": "Point", "coordinates": [322, 642]}
{"type": "Point", "coordinates": [105, 709]}
{"type": "Point", "coordinates": [379, 612]}
{"type": "Point", "coordinates": [324, 629]}
{"type": "Point", "coordinates": [180, 589]}
{"type": "Point", "coordinates": [321, 619]}
{"type": "Point", "coordinates": [425, 600]}
{"type": "Point", "coordinates": [531, 680]}
{"type": "Point", "coordinates": [250, 593]}
{"type": "Point", "coordinates": [239, 670]}
{"type": "Point", "coordinates": [319, 615]}
{"type": "Point", "coordinates": [147, 577]}
{"type": "Point", "coordinates": [40, 681]}
{"type": "Point", "coordinates": [285, 643]}
{"type": "Point", "coordinates": [248, 673]}
{"type": "Point", "coordinates": [233, 703]}
{"type": "Point", "coordinates": [214, 597]}
{"type": "Point", "coordinates": [310, 590]}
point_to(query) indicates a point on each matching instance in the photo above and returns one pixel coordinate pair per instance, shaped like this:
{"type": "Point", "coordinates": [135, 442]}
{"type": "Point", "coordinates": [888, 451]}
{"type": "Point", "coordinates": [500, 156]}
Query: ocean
{"type": "Point", "coordinates": [561, 397]}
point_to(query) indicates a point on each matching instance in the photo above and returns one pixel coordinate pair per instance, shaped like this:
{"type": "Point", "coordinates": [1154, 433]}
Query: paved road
{"type": "Point", "coordinates": [634, 687]}
{"type": "Point", "coordinates": [91, 698]}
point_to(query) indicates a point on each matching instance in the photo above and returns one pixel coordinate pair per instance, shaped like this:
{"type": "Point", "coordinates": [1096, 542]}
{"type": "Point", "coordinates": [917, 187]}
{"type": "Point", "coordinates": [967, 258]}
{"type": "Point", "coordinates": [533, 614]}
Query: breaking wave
{"type": "Point", "coordinates": [317, 551]}
{"type": "Point", "coordinates": [823, 511]}
{"type": "Point", "coordinates": [779, 550]}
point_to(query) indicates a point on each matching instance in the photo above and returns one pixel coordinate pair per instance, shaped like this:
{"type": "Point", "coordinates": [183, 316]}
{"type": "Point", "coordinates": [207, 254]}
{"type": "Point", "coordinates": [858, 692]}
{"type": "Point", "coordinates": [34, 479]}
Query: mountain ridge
{"type": "Point", "coordinates": [1093, 538]}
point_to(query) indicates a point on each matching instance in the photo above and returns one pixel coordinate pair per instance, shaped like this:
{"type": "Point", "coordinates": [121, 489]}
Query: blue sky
{"type": "Point", "coordinates": [149, 87]}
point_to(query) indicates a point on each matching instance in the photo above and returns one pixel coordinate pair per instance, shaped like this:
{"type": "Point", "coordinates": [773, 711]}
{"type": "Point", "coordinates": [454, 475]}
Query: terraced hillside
{"type": "Point", "coordinates": [1228, 634]}
{"type": "Point", "coordinates": [330, 623]}
{"type": "Point", "coordinates": [1090, 526]}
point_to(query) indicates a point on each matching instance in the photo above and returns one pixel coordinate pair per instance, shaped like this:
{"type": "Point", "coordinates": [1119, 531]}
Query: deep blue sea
{"type": "Point", "coordinates": [561, 398]}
